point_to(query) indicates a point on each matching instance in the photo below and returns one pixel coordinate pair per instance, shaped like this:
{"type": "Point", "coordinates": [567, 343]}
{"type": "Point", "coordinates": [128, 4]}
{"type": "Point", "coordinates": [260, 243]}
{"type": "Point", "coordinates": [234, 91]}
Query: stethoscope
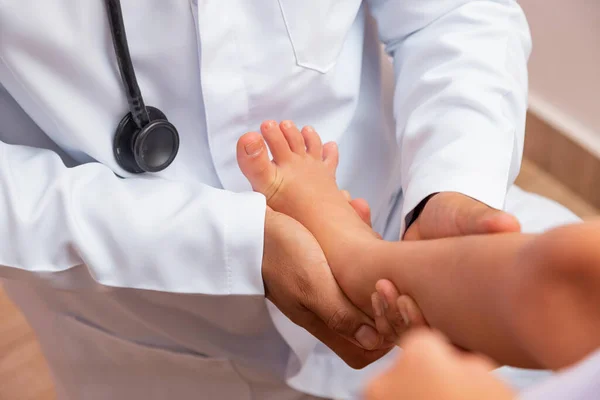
{"type": "Point", "coordinates": [145, 141]}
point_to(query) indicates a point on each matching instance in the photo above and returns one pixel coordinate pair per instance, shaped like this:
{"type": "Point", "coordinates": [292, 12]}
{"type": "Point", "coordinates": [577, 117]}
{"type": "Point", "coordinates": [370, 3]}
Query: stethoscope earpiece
{"type": "Point", "coordinates": [149, 149]}
{"type": "Point", "coordinates": [145, 141]}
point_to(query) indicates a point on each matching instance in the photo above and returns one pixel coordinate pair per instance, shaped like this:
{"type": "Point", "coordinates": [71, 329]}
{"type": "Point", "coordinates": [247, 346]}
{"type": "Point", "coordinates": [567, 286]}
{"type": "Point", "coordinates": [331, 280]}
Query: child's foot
{"type": "Point", "coordinates": [300, 182]}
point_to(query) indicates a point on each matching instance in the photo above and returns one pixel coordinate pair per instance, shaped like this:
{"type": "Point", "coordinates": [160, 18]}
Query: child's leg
{"type": "Point", "coordinates": [524, 300]}
{"type": "Point", "coordinates": [557, 301]}
{"type": "Point", "coordinates": [462, 285]}
{"type": "Point", "coordinates": [465, 286]}
{"type": "Point", "coordinates": [456, 292]}
{"type": "Point", "coordinates": [459, 291]}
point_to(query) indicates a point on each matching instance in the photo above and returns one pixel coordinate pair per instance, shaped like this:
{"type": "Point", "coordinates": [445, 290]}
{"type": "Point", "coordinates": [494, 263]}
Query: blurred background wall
{"type": "Point", "coordinates": [565, 63]}
{"type": "Point", "coordinates": [563, 131]}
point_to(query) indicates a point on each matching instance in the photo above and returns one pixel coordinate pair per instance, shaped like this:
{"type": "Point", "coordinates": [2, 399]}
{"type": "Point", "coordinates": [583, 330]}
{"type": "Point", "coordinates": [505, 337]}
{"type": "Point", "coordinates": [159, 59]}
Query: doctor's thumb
{"type": "Point", "coordinates": [343, 334]}
{"type": "Point", "coordinates": [484, 220]}
{"type": "Point", "coordinates": [453, 214]}
{"type": "Point", "coordinates": [342, 318]}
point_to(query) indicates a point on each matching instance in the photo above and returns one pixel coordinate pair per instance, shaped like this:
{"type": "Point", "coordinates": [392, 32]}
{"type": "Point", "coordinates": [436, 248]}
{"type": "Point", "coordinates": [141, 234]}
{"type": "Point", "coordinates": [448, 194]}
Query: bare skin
{"type": "Point", "coordinates": [558, 323]}
{"type": "Point", "coordinates": [465, 286]}
{"type": "Point", "coordinates": [300, 182]}
{"type": "Point", "coordinates": [430, 368]}
{"type": "Point", "coordinates": [300, 157]}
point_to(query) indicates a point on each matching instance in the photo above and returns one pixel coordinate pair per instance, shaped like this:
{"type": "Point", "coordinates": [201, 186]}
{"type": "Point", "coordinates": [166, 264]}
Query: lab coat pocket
{"type": "Point", "coordinates": [318, 29]}
{"type": "Point", "coordinates": [91, 364]}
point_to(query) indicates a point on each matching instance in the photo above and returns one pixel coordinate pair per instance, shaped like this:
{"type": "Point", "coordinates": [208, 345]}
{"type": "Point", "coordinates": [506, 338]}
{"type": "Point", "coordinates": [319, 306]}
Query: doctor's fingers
{"type": "Point", "coordinates": [332, 308]}
{"type": "Point", "coordinates": [394, 313]}
{"type": "Point", "coordinates": [352, 354]}
{"type": "Point", "coordinates": [361, 207]}
{"type": "Point", "coordinates": [335, 322]}
{"type": "Point", "coordinates": [410, 317]}
{"type": "Point", "coordinates": [315, 302]}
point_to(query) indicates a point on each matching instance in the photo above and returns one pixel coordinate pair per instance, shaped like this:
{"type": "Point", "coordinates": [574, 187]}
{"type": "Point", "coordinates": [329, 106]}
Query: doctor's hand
{"type": "Point", "coordinates": [300, 284]}
{"type": "Point", "coordinates": [449, 214]}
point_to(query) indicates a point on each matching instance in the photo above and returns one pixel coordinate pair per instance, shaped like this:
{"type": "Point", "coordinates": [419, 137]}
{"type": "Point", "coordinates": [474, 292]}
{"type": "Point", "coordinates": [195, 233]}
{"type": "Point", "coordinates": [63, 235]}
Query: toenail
{"type": "Point", "coordinates": [287, 124]}
{"type": "Point", "coordinates": [309, 129]}
{"type": "Point", "coordinates": [270, 124]}
{"type": "Point", "coordinates": [253, 148]}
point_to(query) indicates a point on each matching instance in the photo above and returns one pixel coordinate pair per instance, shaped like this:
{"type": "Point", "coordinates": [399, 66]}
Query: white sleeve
{"type": "Point", "coordinates": [142, 233]}
{"type": "Point", "coordinates": [460, 95]}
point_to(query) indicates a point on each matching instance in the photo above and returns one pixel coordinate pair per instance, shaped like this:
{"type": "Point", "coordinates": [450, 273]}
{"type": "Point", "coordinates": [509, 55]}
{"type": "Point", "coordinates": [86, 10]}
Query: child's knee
{"type": "Point", "coordinates": [565, 256]}
{"type": "Point", "coordinates": [558, 292]}
{"type": "Point", "coordinates": [558, 267]}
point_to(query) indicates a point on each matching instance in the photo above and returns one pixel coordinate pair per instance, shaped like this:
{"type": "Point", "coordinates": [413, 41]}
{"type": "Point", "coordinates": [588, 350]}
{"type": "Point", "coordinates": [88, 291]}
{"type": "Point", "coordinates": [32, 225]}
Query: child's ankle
{"type": "Point", "coordinates": [356, 266]}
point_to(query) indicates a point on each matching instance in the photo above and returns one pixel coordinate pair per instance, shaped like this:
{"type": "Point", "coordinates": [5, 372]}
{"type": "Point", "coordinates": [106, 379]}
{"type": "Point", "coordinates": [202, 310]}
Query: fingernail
{"type": "Point", "coordinates": [253, 148]}
{"type": "Point", "coordinates": [384, 302]}
{"type": "Point", "coordinates": [403, 311]}
{"type": "Point", "coordinates": [404, 316]}
{"type": "Point", "coordinates": [377, 306]}
{"type": "Point", "coordinates": [367, 337]}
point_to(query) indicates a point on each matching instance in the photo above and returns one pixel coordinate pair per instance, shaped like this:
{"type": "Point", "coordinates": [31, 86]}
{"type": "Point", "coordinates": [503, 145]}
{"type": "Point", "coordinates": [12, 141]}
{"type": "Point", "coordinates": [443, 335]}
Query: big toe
{"type": "Point", "coordinates": [253, 160]}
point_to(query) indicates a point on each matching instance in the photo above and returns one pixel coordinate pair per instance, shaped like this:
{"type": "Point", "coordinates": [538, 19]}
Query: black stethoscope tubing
{"type": "Point", "coordinates": [133, 92]}
{"type": "Point", "coordinates": [145, 141]}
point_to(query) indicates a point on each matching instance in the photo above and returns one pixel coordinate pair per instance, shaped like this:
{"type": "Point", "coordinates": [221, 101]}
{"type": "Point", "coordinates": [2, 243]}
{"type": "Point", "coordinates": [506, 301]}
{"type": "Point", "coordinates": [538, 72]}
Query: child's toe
{"type": "Point", "coordinates": [314, 147]}
{"type": "Point", "coordinates": [331, 156]}
{"type": "Point", "coordinates": [253, 159]}
{"type": "Point", "coordinates": [275, 140]}
{"type": "Point", "coordinates": [293, 136]}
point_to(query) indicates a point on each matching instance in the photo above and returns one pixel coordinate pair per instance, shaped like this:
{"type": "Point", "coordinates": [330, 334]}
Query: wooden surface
{"type": "Point", "coordinates": [567, 161]}
{"type": "Point", "coordinates": [534, 179]}
{"type": "Point", "coordinates": [24, 374]}
{"type": "Point", "coordinates": [23, 371]}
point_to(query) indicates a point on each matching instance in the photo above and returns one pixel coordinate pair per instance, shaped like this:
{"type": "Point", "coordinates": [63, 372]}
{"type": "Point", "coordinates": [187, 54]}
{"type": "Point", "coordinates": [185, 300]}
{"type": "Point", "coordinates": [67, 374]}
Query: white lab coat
{"type": "Point", "coordinates": [150, 286]}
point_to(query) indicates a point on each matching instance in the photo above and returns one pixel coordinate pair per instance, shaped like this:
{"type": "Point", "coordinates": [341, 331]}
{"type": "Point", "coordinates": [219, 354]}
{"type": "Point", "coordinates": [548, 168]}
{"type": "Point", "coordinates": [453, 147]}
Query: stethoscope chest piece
{"type": "Point", "coordinates": [145, 141]}
{"type": "Point", "coordinates": [151, 148]}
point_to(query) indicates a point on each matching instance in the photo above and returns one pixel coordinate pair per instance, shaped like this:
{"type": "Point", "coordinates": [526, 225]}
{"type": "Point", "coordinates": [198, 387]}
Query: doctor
{"type": "Point", "coordinates": [151, 285]}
